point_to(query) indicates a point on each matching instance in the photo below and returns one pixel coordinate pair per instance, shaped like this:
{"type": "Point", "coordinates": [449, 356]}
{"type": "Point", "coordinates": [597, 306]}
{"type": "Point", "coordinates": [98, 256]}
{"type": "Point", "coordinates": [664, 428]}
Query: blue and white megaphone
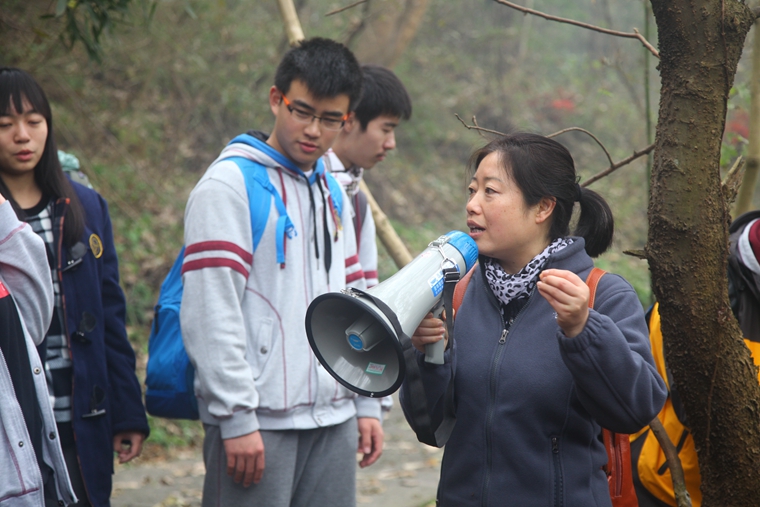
{"type": "Point", "coordinates": [353, 333]}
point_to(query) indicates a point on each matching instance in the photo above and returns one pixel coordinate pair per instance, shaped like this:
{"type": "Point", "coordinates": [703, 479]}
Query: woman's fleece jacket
{"type": "Point", "coordinates": [242, 313]}
{"type": "Point", "coordinates": [530, 402]}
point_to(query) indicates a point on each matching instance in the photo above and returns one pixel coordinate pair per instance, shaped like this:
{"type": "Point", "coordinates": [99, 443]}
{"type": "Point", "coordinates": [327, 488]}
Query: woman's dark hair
{"type": "Point", "coordinates": [542, 167]}
{"type": "Point", "coordinates": [383, 94]}
{"type": "Point", "coordinates": [326, 67]}
{"type": "Point", "coordinates": [16, 86]}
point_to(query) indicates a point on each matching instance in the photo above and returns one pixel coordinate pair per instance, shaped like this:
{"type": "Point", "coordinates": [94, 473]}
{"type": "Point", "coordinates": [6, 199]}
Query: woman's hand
{"type": "Point", "coordinates": [430, 330]}
{"type": "Point", "coordinates": [568, 295]}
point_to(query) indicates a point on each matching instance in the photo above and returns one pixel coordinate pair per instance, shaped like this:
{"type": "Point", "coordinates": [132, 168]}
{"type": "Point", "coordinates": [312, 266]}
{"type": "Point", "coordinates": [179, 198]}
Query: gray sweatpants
{"type": "Point", "coordinates": [302, 468]}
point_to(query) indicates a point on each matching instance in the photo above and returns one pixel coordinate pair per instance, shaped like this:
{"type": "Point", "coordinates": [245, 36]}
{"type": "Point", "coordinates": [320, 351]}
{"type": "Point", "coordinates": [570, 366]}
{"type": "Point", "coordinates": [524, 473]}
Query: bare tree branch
{"type": "Point", "coordinates": [615, 167]}
{"type": "Point", "coordinates": [478, 128]}
{"type": "Point", "coordinates": [639, 254]}
{"type": "Point", "coordinates": [590, 135]}
{"type": "Point", "coordinates": [358, 27]}
{"type": "Point", "coordinates": [674, 463]}
{"type": "Point", "coordinates": [733, 180]}
{"type": "Point", "coordinates": [336, 11]}
{"type": "Point", "coordinates": [634, 35]}
{"type": "Point", "coordinates": [612, 168]}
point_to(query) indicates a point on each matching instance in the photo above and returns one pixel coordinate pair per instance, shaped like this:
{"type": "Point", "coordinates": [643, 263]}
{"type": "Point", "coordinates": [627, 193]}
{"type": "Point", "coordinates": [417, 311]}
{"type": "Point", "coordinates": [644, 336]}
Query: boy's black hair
{"type": "Point", "coordinates": [15, 87]}
{"type": "Point", "coordinates": [383, 94]}
{"type": "Point", "coordinates": [326, 67]}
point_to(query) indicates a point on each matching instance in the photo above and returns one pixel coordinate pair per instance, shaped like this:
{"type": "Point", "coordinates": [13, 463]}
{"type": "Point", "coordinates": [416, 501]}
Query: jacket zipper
{"type": "Point", "coordinates": [489, 418]}
{"type": "Point", "coordinates": [492, 398]}
{"type": "Point", "coordinates": [557, 472]}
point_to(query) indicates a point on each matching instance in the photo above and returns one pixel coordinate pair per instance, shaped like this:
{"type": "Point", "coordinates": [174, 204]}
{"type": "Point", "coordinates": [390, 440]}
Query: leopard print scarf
{"type": "Point", "coordinates": [508, 288]}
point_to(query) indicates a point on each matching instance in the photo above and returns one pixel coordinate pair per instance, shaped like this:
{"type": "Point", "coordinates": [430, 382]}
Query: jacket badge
{"type": "Point", "coordinates": [96, 245]}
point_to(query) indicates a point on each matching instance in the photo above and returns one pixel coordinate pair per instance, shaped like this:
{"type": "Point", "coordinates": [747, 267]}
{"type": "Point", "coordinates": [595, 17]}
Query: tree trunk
{"type": "Point", "coordinates": [700, 42]}
{"type": "Point", "coordinates": [391, 27]}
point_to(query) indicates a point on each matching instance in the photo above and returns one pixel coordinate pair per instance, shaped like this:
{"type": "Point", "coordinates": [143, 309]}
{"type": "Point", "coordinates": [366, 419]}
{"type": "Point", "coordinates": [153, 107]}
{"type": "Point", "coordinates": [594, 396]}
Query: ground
{"type": "Point", "coordinates": [405, 476]}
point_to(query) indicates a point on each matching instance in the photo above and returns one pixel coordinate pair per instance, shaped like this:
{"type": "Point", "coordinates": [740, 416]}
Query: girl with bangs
{"type": "Point", "coordinates": [88, 361]}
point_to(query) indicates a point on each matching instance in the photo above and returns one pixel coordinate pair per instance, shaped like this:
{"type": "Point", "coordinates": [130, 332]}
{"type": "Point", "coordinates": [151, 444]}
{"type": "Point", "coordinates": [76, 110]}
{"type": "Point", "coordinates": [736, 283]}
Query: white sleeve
{"type": "Point", "coordinates": [368, 249]}
{"type": "Point", "coordinates": [26, 272]}
{"type": "Point", "coordinates": [218, 261]}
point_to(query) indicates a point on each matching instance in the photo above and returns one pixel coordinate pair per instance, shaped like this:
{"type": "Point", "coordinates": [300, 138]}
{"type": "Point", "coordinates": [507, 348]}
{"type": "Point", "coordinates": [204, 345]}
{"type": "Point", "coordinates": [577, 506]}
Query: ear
{"type": "Point", "coordinates": [545, 208]}
{"type": "Point", "coordinates": [351, 123]}
{"type": "Point", "coordinates": [275, 98]}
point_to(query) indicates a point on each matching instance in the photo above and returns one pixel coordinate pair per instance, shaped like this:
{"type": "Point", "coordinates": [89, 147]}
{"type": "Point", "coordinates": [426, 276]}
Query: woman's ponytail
{"type": "Point", "coordinates": [595, 223]}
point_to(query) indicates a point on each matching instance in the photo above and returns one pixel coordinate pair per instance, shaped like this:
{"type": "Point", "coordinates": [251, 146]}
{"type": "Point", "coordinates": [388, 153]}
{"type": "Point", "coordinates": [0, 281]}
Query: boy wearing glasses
{"type": "Point", "coordinates": [280, 431]}
{"type": "Point", "coordinates": [367, 136]}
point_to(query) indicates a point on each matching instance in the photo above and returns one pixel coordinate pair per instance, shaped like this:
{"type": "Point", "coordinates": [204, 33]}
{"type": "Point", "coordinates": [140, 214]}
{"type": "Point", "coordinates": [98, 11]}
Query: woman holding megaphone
{"type": "Point", "coordinates": [538, 372]}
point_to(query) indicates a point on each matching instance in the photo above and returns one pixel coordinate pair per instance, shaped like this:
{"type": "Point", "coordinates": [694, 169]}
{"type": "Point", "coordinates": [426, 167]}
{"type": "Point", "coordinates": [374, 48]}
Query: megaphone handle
{"type": "Point", "coordinates": [434, 352]}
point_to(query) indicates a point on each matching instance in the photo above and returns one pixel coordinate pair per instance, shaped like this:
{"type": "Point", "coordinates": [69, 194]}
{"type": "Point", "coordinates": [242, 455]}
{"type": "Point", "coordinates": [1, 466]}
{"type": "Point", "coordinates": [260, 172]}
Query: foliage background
{"type": "Point", "coordinates": [177, 79]}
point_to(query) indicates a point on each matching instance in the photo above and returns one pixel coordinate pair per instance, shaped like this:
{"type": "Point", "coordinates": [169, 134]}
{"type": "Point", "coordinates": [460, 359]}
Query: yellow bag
{"type": "Point", "coordinates": [652, 467]}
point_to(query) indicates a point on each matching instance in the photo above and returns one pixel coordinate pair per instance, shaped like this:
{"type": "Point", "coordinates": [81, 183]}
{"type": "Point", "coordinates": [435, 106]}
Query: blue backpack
{"type": "Point", "coordinates": [169, 379]}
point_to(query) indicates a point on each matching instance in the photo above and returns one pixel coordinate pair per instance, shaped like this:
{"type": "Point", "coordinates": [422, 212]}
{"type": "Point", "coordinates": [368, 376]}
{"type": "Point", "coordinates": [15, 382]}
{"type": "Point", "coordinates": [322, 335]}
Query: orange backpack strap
{"type": "Point", "coordinates": [461, 288]}
{"type": "Point", "coordinates": [592, 281]}
{"type": "Point", "coordinates": [619, 467]}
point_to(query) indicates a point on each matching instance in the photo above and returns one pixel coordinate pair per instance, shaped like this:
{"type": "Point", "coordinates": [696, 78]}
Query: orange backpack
{"type": "Point", "coordinates": [618, 468]}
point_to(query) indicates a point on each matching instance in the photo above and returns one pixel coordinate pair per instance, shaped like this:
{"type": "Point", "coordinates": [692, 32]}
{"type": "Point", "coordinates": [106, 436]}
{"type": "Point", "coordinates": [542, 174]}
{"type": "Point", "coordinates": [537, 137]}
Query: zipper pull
{"type": "Point", "coordinates": [555, 445]}
{"type": "Point", "coordinates": [503, 338]}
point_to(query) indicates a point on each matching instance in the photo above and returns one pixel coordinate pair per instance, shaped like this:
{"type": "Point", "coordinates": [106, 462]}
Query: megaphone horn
{"type": "Point", "coordinates": [356, 334]}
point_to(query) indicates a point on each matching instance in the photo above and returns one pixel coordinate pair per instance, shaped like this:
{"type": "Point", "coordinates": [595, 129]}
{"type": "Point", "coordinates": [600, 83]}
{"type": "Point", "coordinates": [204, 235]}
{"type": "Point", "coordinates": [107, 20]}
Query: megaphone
{"type": "Point", "coordinates": [353, 333]}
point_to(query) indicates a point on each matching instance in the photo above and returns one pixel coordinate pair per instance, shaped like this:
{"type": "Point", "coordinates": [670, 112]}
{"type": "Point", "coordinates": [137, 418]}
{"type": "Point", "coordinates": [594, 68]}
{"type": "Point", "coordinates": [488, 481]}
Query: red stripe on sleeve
{"type": "Point", "coordinates": [205, 246]}
{"type": "Point", "coordinates": [214, 262]}
{"type": "Point", "coordinates": [355, 276]}
{"type": "Point", "coordinates": [370, 274]}
{"type": "Point", "coordinates": [352, 260]}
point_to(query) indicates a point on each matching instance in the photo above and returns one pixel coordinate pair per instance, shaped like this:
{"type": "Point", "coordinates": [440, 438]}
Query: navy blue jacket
{"type": "Point", "coordinates": [530, 402]}
{"type": "Point", "coordinates": [106, 397]}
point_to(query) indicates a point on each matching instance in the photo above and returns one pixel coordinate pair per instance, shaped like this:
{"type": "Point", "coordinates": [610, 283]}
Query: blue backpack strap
{"type": "Point", "coordinates": [260, 190]}
{"type": "Point", "coordinates": [171, 289]}
{"type": "Point", "coordinates": [335, 193]}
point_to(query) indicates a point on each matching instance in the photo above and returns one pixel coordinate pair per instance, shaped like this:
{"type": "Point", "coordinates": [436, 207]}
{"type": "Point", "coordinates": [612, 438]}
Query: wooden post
{"type": "Point", "coordinates": [292, 24]}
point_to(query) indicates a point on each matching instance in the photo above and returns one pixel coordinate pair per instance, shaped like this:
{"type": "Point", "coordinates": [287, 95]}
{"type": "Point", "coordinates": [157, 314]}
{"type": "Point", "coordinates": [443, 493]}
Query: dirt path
{"type": "Point", "coordinates": [405, 476]}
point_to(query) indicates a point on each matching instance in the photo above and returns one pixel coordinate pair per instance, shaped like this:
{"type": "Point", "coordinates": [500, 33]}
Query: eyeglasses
{"type": "Point", "coordinates": [302, 116]}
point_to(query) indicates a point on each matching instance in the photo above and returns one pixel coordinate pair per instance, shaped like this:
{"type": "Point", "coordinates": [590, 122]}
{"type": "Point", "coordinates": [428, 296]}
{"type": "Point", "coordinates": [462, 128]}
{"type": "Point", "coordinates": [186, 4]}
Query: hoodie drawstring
{"type": "Point", "coordinates": [325, 229]}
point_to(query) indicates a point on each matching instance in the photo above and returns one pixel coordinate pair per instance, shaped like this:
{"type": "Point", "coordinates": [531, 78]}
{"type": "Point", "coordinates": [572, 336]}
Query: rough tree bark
{"type": "Point", "coordinates": [700, 42]}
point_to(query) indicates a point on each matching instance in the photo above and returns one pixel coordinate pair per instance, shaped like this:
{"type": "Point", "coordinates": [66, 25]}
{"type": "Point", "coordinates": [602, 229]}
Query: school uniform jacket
{"type": "Point", "coordinates": [530, 402]}
{"type": "Point", "coordinates": [242, 312]}
{"type": "Point", "coordinates": [106, 396]}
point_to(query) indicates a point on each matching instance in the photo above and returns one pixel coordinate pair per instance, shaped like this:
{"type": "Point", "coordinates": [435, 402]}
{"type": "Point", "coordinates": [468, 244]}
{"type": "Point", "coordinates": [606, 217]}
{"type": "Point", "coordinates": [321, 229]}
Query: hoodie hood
{"type": "Point", "coordinates": [253, 146]}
